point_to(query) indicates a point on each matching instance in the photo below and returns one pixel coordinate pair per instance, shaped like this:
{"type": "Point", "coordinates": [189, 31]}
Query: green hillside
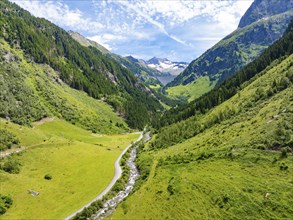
{"type": "Point", "coordinates": [56, 95]}
{"type": "Point", "coordinates": [82, 68]}
{"type": "Point", "coordinates": [233, 162]}
{"type": "Point", "coordinates": [192, 90]}
{"type": "Point", "coordinates": [30, 92]}
{"type": "Point", "coordinates": [237, 49]}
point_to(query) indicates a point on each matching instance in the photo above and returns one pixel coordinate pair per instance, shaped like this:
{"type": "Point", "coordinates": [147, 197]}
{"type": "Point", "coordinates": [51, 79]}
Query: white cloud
{"type": "Point", "coordinates": [60, 14]}
{"type": "Point", "coordinates": [228, 16]}
{"type": "Point", "coordinates": [140, 13]}
{"type": "Point", "coordinates": [145, 26]}
{"type": "Point", "coordinates": [106, 39]}
{"type": "Point", "coordinates": [165, 15]}
{"type": "Point", "coordinates": [172, 12]}
{"type": "Point", "coordinates": [101, 40]}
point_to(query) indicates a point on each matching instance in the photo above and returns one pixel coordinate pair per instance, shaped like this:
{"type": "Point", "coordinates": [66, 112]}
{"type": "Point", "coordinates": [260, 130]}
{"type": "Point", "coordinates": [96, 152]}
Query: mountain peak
{"type": "Point", "coordinates": [156, 60]}
{"type": "Point", "coordinates": [87, 42]}
{"type": "Point", "coordinates": [131, 58]}
{"type": "Point", "coordinates": [261, 9]}
{"type": "Point", "coordinates": [164, 65]}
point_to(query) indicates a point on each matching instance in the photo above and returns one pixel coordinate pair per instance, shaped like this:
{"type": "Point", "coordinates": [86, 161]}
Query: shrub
{"type": "Point", "coordinates": [11, 166]}
{"type": "Point", "coordinates": [48, 177]}
{"type": "Point", "coordinates": [284, 152]}
{"type": "Point", "coordinates": [7, 140]}
{"type": "Point", "coordinates": [5, 203]}
{"type": "Point", "coordinates": [283, 166]}
{"type": "Point", "coordinates": [170, 189]}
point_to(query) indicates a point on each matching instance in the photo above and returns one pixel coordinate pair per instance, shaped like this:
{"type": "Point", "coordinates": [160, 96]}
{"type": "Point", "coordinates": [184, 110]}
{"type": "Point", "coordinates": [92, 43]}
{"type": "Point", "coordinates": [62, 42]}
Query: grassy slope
{"type": "Point", "coordinates": [81, 164]}
{"type": "Point", "coordinates": [191, 91]}
{"type": "Point", "coordinates": [57, 98]}
{"type": "Point", "coordinates": [224, 172]}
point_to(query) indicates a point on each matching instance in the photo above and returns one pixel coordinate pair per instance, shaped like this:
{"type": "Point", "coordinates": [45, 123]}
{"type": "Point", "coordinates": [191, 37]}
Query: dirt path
{"type": "Point", "coordinates": [118, 172]}
{"type": "Point", "coordinates": [7, 153]}
{"type": "Point", "coordinates": [42, 121]}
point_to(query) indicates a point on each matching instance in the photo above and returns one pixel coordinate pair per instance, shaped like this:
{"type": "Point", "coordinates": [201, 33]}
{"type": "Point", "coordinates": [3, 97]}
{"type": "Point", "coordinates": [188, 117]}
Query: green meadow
{"type": "Point", "coordinates": [191, 91]}
{"type": "Point", "coordinates": [80, 163]}
{"type": "Point", "coordinates": [215, 188]}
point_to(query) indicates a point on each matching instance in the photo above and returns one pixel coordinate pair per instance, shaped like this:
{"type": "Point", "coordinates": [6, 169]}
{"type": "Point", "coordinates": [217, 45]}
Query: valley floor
{"type": "Point", "coordinates": [81, 165]}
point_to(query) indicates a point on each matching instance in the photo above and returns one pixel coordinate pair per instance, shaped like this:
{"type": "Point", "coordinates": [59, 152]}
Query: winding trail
{"type": "Point", "coordinates": [9, 152]}
{"type": "Point", "coordinates": [118, 172]}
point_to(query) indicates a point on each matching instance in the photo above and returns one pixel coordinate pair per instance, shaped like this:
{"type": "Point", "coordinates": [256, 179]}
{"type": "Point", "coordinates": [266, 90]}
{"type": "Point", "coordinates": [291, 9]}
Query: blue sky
{"type": "Point", "coordinates": [180, 30]}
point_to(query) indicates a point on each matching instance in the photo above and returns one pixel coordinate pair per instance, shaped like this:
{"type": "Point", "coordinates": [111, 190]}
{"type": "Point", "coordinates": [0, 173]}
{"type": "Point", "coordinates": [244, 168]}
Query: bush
{"type": "Point", "coordinates": [283, 166]}
{"type": "Point", "coordinates": [170, 189]}
{"type": "Point", "coordinates": [5, 203]}
{"type": "Point", "coordinates": [284, 152]}
{"type": "Point", "coordinates": [11, 166]}
{"type": "Point", "coordinates": [7, 140]}
{"type": "Point", "coordinates": [48, 177]}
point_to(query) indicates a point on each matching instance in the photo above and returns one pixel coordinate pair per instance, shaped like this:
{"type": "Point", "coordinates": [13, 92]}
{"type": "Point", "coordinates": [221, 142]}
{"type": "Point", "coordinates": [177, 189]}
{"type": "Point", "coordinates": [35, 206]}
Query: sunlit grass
{"type": "Point", "coordinates": [81, 164]}
{"type": "Point", "coordinates": [191, 91]}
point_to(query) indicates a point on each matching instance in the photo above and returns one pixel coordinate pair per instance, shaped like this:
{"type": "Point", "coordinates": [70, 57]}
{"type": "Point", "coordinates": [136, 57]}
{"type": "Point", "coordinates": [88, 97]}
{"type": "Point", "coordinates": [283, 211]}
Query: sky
{"type": "Point", "coordinates": [180, 30]}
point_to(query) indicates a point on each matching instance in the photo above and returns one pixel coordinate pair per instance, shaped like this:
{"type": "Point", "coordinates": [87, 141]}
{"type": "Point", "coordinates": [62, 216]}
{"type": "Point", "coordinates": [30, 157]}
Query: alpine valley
{"type": "Point", "coordinates": [88, 134]}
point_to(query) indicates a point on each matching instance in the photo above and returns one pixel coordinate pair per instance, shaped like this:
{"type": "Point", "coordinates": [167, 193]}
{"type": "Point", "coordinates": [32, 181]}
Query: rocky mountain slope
{"type": "Point", "coordinates": [87, 42]}
{"type": "Point", "coordinates": [263, 23]}
{"type": "Point", "coordinates": [263, 9]}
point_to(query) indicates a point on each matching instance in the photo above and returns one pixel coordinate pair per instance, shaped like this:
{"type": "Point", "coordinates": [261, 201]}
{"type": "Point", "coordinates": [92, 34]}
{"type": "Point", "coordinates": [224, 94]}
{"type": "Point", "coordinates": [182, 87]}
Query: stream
{"type": "Point", "coordinates": [110, 205]}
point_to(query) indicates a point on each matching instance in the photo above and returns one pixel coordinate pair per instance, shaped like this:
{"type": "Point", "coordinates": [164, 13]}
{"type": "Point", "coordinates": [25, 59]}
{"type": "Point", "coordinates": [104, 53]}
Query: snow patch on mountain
{"type": "Point", "coordinates": [166, 66]}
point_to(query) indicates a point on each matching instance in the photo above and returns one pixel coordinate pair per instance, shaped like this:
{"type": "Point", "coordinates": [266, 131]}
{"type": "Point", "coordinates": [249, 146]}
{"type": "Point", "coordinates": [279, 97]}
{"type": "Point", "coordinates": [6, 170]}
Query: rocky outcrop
{"type": "Point", "coordinates": [262, 9]}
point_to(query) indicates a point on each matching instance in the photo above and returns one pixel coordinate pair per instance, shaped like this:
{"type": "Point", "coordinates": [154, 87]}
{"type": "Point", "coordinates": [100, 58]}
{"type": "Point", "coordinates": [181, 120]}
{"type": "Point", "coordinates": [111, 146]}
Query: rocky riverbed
{"type": "Point", "coordinates": [110, 205]}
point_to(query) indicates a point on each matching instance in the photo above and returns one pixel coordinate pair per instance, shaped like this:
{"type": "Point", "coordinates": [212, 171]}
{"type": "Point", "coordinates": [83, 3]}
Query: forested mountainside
{"type": "Point", "coordinates": [264, 22]}
{"type": "Point", "coordinates": [281, 48]}
{"type": "Point", "coordinates": [82, 68]}
{"type": "Point", "coordinates": [233, 159]}
{"type": "Point", "coordinates": [143, 72]}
